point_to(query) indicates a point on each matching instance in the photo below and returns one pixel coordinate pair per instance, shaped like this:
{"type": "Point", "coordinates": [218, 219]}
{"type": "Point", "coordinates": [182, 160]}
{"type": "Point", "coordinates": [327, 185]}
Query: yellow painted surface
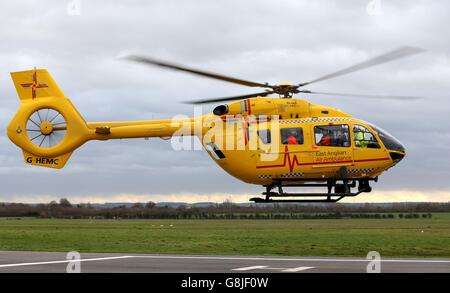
{"type": "Point", "coordinates": [245, 156]}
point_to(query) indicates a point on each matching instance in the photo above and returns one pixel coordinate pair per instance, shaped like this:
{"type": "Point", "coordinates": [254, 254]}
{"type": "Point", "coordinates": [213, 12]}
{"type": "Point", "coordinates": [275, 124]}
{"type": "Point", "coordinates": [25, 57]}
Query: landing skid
{"type": "Point", "coordinates": [341, 190]}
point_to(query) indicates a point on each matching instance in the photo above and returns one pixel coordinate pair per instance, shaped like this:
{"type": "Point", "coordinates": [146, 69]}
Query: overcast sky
{"type": "Point", "coordinates": [264, 41]}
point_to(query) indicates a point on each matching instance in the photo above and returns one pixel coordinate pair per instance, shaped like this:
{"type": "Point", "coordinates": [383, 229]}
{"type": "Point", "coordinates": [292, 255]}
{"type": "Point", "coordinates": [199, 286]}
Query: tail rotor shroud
{"type": "Point", "coordinates": [46, 128]}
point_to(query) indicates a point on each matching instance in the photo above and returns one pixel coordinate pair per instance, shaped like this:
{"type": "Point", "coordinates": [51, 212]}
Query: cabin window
{"type": "Point", "coordinates": [364, 138]}
{"type": "Point", "coordinates": [332, 135]}
{"type": "Point", "coordinates": [292, 135]}
{"type": "Point", "coordinates": [214, 151]}
{"type": "Point", "coordinates": [265, 136]}
{"type": "Point", "coordinates": [243, 106]}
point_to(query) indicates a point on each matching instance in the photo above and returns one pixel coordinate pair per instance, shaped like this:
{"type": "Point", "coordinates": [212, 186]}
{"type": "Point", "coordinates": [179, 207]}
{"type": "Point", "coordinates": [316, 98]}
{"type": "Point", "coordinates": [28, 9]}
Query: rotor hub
{"type": "Point", "coordinates": [46, 127]}
{"type": "Point", "coordinates": [285, 89]}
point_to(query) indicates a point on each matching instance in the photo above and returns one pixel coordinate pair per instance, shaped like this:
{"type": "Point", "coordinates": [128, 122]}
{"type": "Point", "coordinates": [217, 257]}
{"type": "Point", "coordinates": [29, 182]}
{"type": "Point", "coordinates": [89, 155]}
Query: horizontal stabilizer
{"type": "Point", "coordinates": [55, 162]}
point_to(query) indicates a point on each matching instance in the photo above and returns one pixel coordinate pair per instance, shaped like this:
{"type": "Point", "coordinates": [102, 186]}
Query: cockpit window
{"type": "Point", "coordinates": [332, 135]}
{"type": "Point", "coordinates": [364, 138]}
{"type": "Point", "coordinates": [390, 142]}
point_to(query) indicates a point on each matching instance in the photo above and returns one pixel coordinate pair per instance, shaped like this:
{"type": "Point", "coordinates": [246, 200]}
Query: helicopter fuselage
{"type": "Point", "coordinates": [271, 142]}
{"type": "Point", "coordinates": [307, 156]}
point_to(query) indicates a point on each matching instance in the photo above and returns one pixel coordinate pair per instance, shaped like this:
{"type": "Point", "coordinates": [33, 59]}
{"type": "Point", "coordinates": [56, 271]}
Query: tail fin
{"type": "Point", "coordinates": [33, 84]}
{"type": "Point", "coordinates": [47, 126]}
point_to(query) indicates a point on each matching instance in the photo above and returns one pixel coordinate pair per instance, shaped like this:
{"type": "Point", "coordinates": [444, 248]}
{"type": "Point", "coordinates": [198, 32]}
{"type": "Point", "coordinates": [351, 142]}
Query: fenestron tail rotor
{"type": "Point", "coordinates": [46, 128]}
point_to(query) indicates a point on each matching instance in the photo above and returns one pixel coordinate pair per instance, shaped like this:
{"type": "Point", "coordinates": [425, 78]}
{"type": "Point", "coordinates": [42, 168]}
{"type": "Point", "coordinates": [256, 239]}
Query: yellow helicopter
{"type": "Point", "coordinates": [273, 142]}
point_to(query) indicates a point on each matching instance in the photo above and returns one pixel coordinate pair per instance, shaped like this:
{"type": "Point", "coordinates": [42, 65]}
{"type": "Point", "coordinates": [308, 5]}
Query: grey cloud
{"type": "Point", "coordinates": [258, 40]}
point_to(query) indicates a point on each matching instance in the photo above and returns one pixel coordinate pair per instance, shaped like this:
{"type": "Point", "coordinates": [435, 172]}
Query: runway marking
{"type": "Point", "coordinates": [286, 270]}
{"type": "Point", "coordinates": [294, 270]}
{"type": "Point", "coordinates": [249, 268]}
{"type": "Point", "coordinates": [223, 258]}
{"type": "Point", "coordinates": [62, 261]}
{"type": "Point", "coordinates": [292, 259]}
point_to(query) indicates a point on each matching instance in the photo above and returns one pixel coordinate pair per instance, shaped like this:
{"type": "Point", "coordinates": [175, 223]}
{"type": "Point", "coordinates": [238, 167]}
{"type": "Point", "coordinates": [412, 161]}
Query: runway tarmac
{"type": "Point", "coordinates": [56, 262]}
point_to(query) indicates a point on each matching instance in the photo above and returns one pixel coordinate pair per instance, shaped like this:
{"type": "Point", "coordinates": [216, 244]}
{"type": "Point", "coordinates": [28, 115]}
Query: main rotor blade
{"type": "Point", "coordinates": [205, 101]}
{"type": "Point", "coordinates": [149, 61]}
{"type": "Point", "coordinates": [390, 56]}
{"type": "Point", "coordinates": [385, 97]}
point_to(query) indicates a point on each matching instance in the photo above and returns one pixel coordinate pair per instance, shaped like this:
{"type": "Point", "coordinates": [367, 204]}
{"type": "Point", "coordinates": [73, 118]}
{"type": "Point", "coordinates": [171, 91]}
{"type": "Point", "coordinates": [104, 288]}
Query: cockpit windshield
{"type": "Point", "coordinates": [389, 141]}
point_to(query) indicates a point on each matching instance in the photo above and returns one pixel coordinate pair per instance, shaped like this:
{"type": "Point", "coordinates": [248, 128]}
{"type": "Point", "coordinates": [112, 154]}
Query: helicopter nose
{"type": "Point", "coordinates": [393, 145]}
{"type": "Point", "coordinates": [397, 151]}
{"type": "Point", "coordinates": [397, 156]}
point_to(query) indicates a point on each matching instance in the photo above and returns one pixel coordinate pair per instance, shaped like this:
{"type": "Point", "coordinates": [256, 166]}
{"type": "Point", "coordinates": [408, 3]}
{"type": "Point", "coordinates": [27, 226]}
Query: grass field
{"type": "Point", "coordinates": [352, 237]}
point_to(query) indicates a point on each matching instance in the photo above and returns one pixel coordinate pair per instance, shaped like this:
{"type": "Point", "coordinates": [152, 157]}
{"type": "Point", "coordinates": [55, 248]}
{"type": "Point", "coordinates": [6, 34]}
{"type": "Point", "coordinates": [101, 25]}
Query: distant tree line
{"type": "Point", "coordinates": [226, 210]}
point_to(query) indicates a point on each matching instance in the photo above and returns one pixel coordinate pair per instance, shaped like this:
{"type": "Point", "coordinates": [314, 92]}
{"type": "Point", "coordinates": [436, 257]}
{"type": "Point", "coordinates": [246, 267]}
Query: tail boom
{"type": "Point", "coordinates": [32, 128]}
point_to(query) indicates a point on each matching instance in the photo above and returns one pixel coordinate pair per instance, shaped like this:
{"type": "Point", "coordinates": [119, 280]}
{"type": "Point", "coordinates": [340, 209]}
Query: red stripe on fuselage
{"type": "Point", "coordinates": [295, 162]}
